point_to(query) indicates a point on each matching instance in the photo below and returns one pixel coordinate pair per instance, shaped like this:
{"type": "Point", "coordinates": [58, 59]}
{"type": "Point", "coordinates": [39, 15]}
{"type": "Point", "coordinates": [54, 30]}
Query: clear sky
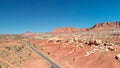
{"type": "Point", "coordinates": [18, 16]}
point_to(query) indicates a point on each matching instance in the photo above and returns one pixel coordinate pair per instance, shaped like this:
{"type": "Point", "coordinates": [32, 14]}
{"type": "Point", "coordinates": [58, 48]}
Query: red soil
{"type": "Point", "coordinates": [68, 47]}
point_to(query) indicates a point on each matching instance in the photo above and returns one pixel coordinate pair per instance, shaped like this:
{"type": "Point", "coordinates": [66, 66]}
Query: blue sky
{"type": "Point", "coordinates": [18, 16]}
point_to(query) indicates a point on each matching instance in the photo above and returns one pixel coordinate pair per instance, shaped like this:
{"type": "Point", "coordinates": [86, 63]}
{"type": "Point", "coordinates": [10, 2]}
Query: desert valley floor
{"type": "Point", "coordinates": [95, 47]}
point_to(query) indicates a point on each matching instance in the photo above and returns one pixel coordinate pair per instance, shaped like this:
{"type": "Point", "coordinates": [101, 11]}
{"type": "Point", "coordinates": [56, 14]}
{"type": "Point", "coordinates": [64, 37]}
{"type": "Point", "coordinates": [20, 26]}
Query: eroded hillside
{"type": "Point", "coordinates": [95, 47]}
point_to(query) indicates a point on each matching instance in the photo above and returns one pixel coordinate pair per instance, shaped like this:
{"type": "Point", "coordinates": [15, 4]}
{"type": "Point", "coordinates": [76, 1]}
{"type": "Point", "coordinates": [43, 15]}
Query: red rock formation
{"type": "Point", "coordinates": [67, 29]}
{"type": "Point", "coordinates": [104, 26]}
{"type": "Point", "coordinates": [88, 49]}
{"type": "Point", "coordinates": [107, 25]}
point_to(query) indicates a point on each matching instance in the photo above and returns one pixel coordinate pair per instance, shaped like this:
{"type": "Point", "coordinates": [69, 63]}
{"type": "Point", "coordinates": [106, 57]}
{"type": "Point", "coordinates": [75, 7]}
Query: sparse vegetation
{"type": "Point", "coordinates": [8, 48]}
{"type": "Point", "coordinates": [68, 46]}
{"type": "Point", "coordinates": [18, 49]}
{"type": "Point", "coordinates": [73, 59]}
{"type": "Point", "coordinates": [48, 53]}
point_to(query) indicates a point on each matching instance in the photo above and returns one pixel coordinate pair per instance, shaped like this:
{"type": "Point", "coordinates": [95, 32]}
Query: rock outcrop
{"type": "Point", "coordinates": [118, 57]}
{"type": "Point", "coordinates": [103, 26]}
{"type": "Point", "coordinates": [107, 25]}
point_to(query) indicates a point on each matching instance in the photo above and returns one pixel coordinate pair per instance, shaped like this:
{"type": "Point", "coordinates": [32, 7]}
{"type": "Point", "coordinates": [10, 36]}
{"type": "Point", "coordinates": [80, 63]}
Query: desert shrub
{"type": "Point", "coordinates": [8, 48]}
{"type": "Point", "coordinates": [18, 49]}
{"type": "Point", "coordinates": [48, 53]}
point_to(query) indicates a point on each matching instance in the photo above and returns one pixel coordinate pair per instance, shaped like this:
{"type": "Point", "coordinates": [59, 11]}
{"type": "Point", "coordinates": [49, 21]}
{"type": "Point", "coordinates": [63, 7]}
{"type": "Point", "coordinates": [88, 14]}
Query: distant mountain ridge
{"type": "Point", "coordinates": [67, 29]}
{"type": "Point", "coordinates": [108, 25]}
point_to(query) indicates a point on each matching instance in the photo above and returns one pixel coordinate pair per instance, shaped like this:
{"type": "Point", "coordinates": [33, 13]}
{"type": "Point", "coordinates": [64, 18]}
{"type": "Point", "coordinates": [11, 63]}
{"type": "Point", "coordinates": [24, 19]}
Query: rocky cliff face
{"type": "Point", "coordinates": [103, 26]}
{"type": "Point", "coordinates": [107, 25]}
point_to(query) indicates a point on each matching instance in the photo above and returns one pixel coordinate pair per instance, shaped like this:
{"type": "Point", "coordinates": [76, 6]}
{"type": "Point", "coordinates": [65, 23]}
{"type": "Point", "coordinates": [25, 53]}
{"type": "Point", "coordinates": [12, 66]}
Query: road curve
{"type": "Point", "coordinates": [52, 64]}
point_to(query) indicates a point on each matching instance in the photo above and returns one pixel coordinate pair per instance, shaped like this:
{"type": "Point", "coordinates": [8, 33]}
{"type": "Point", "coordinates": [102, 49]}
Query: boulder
{"type": "Point", "coordinates": [108, 44]}
{"type": "Point", "coordinates": [94, 42]}
{"type": "Point", "coordinates": [98, 42]}
{"type": "Point", "coordinates": [118, 57]}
